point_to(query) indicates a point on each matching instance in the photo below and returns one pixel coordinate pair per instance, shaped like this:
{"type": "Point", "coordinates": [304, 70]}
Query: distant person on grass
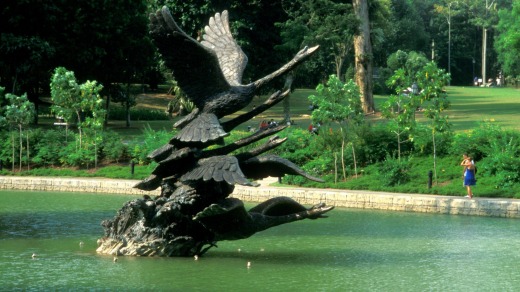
{"type": "Point", "coordinates": [468, 175]}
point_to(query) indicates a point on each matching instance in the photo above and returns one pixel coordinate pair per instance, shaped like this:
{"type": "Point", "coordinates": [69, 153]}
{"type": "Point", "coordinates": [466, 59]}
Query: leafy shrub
{"type": "Point", "coordinates": [71, 155]}
{"type": "Point", "coordinates": [394, 172]}
{"type": "Point", "coordinates": [5, 148]}
{"type": "Point", "coordinates": [148, 142]}
{"type": "Point", "coordinates": [300, 146]}
{"type": "Point", "coordinates": [48, 147]}
{"type": "Point", "coordinates": [498, 151]}
{"type": "Point", "coordinates": [502, 159]}
{"type": "Point", "coordinates": [118, 171]}
{"type": "Point", "coordinates": [377, 143]}
{"type": "Point", "coordinates": [423, 144]}
{"type": "Point", "coordinates": [484, 141]}
{"type": "Point", "coordinates": [113, 148]}
{"type": "Point", "coordinates": [319, 166]}
{"type": "Point", "coordinates": [235, 136]}
{"type": "Point", "coordinates": [294, 180]}
{"type": "Point", "coordinates": [505, 168]}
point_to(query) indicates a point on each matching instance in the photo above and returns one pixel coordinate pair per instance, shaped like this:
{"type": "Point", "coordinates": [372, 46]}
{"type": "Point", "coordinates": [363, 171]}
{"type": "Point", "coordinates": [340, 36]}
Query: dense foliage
{"type": "Point", "coordinates": [57, 148]}
{"type": "Point", "coordinates": [108, 41]}
{"type": "Point", "coordinates": [99, 40]}
{"type": "Point", "coordinates": [495, 151]}
{"type": "Point", "coordinates": [508, 41]}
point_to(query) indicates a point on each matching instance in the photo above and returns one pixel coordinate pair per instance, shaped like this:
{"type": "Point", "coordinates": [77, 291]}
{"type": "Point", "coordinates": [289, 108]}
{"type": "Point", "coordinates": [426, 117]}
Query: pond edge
{"type": "Point", "coordinates": [491, 207]}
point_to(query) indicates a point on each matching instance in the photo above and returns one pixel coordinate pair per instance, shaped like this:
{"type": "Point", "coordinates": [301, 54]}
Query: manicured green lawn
{"type": "Point", "coordinates": [469, 107]}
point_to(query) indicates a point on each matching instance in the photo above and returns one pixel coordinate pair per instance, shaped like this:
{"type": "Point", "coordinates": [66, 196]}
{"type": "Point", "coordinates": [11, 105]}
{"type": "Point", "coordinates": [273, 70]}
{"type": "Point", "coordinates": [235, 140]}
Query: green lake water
{"type": "Point", "coordinates": [352, 250]}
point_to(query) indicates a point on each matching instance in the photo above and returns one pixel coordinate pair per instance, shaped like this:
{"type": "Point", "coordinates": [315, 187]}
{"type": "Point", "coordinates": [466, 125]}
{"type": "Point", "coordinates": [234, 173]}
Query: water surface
{"type": "Point", "coordinates": [352, 250]}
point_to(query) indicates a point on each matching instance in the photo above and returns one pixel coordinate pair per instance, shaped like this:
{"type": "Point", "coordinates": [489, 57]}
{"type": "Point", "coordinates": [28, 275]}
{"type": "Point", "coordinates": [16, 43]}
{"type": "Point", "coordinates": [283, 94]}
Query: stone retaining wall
{"type": "Point", "coordinates": [509, 208]}
{"type": "Point", "coordinates": [87, 185]}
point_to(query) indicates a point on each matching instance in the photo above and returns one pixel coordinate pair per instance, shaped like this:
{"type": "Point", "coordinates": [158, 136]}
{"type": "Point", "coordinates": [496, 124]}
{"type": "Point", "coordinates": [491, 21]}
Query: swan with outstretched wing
{"type": "Point", "coordinates": [194, 210]}
{"type": "Point", "coordinates": [210, 73]}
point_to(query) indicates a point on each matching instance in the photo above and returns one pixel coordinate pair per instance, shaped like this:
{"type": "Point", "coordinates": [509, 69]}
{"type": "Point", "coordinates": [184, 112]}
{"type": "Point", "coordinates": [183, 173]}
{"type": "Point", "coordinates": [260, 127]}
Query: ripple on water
{"type": "Point", "coordinates": [351, 250]}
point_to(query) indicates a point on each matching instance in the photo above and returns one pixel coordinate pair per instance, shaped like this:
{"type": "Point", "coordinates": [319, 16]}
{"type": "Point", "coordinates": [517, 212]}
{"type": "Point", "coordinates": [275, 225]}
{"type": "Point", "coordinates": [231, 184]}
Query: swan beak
{"type": "Point", "coordinates": [305, 52]}
{"type": "Point", "coordinates": [312, 50]}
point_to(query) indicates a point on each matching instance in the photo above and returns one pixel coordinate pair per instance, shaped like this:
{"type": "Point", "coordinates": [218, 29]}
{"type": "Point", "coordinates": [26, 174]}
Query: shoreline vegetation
{"type": "Point", "coordinates": [474, 112]}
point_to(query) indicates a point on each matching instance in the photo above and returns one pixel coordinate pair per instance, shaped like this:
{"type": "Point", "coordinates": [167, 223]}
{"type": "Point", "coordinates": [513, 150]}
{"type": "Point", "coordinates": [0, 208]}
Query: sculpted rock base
{"type": "Point", "coordinates": [153, 227]}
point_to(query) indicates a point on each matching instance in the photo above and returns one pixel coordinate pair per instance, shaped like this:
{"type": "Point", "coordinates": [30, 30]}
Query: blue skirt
{"type": "Point", "coordinates": [469, 178]}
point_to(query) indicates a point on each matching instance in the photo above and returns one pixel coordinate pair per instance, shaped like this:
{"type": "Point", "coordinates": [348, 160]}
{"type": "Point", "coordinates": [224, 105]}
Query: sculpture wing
{"type": "Point", "coordinates": [204, 129]}
{"type": "Point", "coordinates": [195, 67]}
{"type": "Point", "coordinates": [272, 165]}
{"type": "Point", "coordinates": [171, 162]}
{"type": "Point", "coordinates": [218, 169]}
{"type": "Point", "coordinates": [219, 39]}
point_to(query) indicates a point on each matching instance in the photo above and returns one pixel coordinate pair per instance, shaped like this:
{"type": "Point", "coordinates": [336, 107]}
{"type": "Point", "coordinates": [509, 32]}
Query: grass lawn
{"type": "Point", "coordinates": [469, 107]}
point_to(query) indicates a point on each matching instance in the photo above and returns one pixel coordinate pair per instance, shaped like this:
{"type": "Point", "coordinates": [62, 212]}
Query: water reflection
{"type": "Point", "coordinates": [352, 250]}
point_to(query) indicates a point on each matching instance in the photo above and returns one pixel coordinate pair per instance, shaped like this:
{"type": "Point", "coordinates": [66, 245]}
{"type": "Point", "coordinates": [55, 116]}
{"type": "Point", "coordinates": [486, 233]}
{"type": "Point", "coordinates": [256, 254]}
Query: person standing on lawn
{"type": "Point", "coordinates": [468, 175]}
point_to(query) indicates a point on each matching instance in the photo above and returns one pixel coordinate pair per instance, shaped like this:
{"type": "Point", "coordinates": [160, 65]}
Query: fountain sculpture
{"type": "Point", "coordinates": [194, 210]}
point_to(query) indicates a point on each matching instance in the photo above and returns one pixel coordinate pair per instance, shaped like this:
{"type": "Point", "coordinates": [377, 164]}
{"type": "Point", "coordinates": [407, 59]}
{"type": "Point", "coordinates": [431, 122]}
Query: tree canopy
{"type": "Point", "coordinates": [508, 41]}
{"type": "Point", "coordinates": [328, 23]}
{"type": "Point", "coordinates": [103, 40]}
{"type": "Point", "coordinates": [108, 41]}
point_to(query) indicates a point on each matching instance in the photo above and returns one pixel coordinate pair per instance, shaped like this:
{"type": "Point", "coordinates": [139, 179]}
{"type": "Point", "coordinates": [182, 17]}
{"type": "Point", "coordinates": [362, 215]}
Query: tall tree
{"type": "Point", "coordinates": [408, 26]}
{"type": "Point", "coordinates": [484, 14]}
{"type": "Point", "coordinates": [364, 56]}
{"type": "Point", "coordinates": [448, 13]}
{"type": "Point", "coordinates": [434, 98]}
{"type": "Point", "coordinates": [338, 103]}
{"type": "Point", "coordinates": [76, 102]}
{"type": "Point", "coordinates": [508, 40]}
{"type": "Point", "coordinates": [18, 113]}
{"type": "Point", "coordinates": [400, 107]}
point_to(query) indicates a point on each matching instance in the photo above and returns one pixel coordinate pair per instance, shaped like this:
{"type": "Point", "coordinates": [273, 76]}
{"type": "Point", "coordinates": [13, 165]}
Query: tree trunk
{"type": "Point", "coordinates": [339, 66]}
{"type": "Point", "coordinates": [484, 50]}
{"type": "Point", "coordinates": [107, 106]}
{"type": "Point", "coordinates": [434, 157]}
{"type": "Point", "coordinates": [28, 151]}
{"type": "Point", "coordinates": [79, 128]}
{"type": "Point", "coordinates": [343, 159]}
{"type": "Point", "coordinates": [95, 150]}
{"type": "Point", "coordinates": [127, 108]}
{"type": "Point", "coordinates": [286, 103]}
{"type": "Point", "coordinates": [363, 52]}
{"type": "Point", "coordinates": [335, 168]}
{"type": "Point", "coordinates": [21, 145]}
{"type": "Point", "coordinates": [355, 160]}
{"type": "Point", "coordinates": [343, 154]}
{"type": "Point", "coordinates": [127, 105]}
{"type": "Point", "coordinates": [398, 145]}
{"type": "Point", "coordinates": [12, 144]}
